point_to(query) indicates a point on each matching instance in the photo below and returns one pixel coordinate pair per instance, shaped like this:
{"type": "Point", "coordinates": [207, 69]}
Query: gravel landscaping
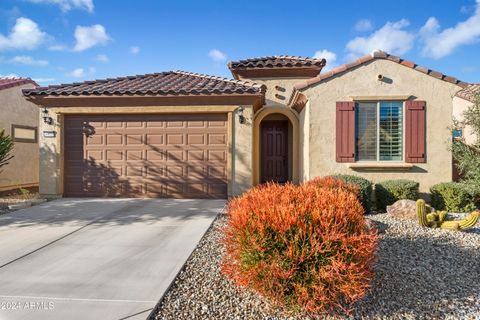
{"type": "Point", "coordinates": [421, 273]}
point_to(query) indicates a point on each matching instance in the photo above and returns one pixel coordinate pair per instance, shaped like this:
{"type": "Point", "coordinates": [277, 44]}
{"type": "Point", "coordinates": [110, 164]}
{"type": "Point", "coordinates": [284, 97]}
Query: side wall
{"type": "Point", "coordinates": [459, 107]}
{"type": "Point", "coordinates": [304, 127]}
{"type": "Point", "coordinates": [240, 139]}
{"type": "Point", "coordinates": [399, 81]}
{"type": "Point", "coordinates": [22, 170]}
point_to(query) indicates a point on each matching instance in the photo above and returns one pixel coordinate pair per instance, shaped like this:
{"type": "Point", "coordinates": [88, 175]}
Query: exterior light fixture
{"type": "Point", "coordinates": [241, 117]}
{"type": "Point", "coordinates": [46, 118]}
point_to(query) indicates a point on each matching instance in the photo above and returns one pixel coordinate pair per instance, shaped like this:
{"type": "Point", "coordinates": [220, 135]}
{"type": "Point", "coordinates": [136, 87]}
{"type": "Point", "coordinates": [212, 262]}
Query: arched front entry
{"type": "Point", "coordinates": [275, 145]}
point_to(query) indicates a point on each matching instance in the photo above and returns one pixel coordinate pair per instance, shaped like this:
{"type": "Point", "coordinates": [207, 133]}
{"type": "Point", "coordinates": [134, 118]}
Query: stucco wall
{"type": "Point", "coordinates": [51, 153]}
{"type": "Point", "coordinates": [22, 170]}
{"type": "Point", "coordinates": [363, 81]}
{"type": "Point", "coordinates": [284, 91]}
{"type": "Point", "coordinates": [304, 127]}
{"type": "Point", "coordinates": [459, 107]}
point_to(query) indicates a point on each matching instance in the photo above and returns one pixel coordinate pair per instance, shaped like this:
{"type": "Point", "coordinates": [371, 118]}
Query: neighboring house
{"type": "Point", "coordinates": [19, 118]}
{"type": "Point", "coordinates": [179, 134]}
{"type": "Point", "coordinates": [461, 102]}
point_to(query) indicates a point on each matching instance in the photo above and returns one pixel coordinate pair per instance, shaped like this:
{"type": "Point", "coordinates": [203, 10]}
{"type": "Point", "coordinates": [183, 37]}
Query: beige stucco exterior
{"type": "Point", "coordinates": [311, 130]}
{"type": "Point", "coordinates": [459, 107]}
{"type": "Point", "coordinates": [239, 163]}
{"type": "Point", "coordinates": [398, 81]}
{"type": "Point", "coordinates": [22, 170]}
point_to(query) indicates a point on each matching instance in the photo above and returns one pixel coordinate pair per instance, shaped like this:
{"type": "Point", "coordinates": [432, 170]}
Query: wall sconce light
{"type": "Point", "coordinates": [241, 118]}
{"type": "Point", "coordinates": [46, 118]}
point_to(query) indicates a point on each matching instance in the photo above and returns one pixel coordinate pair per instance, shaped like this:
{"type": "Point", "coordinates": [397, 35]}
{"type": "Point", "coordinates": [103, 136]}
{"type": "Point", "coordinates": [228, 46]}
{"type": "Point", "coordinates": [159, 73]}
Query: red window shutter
{"type": "Point", "coordinates": [345, 131]}
{"type": "Point", "coordinates": [415, 132]}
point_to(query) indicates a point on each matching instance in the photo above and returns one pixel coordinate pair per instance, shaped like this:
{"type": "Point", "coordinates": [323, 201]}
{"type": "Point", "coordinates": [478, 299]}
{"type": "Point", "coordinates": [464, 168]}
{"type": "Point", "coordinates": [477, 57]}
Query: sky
{"type": "Point", "coordinates": [64, 41]}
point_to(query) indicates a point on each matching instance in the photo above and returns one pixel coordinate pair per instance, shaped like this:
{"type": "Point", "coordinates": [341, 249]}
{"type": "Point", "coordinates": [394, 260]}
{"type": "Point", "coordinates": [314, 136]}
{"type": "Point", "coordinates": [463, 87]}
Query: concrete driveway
{"type": "Point", "coordinates": [96, 258]}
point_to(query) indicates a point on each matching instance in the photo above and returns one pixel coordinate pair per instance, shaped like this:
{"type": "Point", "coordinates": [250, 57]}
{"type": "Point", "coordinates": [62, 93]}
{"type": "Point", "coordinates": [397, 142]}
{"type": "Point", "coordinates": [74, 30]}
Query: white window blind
{"type": "Point", "coordinates": [391, 131]}
{"type": "Point", "coordinates": [379, 131]}
{"type": "Point", "coordinates": [366, 131]}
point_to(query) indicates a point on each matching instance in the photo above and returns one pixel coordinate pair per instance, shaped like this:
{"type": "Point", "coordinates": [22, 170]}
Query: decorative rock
{"type": "Point", "coordinates": [405, 209]}
{"type": "Point", "coordinates": [407, 254]}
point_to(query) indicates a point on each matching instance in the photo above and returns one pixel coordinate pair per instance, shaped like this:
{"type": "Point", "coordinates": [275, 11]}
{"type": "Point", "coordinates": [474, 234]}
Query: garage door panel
{"type": "Point", "coordinates": [155, 155]}
{"type": "Point", "coordinates": [114, 155]}
{"type": "Point", "coordinates": [95, 155]}
{"type": "Point", "coordinates": [134, 139]}
{"type": "Point", "coordinates": [134, 155]}
{"type": "Point", "coordinates": [181, 156]}
{"type": "Point", "coordinates": [175, 139]}
{"type": "Point", "coordinates": [155, 139]}
{"type": "Point", "coordinates": [195, 155]}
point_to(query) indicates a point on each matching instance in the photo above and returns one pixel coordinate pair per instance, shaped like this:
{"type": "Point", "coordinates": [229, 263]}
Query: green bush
{"type": "Point", "coordinates": [364, 186]}
{"type": "Point", "coordinates": [454, 196]}
{"type": "Point", "coordinates": [387, 192]}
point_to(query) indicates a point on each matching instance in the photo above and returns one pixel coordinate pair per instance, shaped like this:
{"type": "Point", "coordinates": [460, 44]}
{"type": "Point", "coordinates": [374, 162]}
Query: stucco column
{"type": "Point", "coordinates": [50, 164]}
{"type": "Point", "coordinates": [242, 151]}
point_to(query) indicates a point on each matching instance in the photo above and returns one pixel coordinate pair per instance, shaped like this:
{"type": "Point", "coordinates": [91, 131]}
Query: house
{"type": "Point", "coordinates": [461, 102]}
{"type": "Point", "coordinates": [180, 134]}
{"type": "Point", "coordinates": [20, 120]}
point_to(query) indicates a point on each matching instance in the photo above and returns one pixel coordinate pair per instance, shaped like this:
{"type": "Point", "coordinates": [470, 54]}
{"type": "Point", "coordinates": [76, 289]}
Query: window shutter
{"type": "Point", "coordinates": [415, 132]}
{"type": "Point", "coordinates": [345, 131]}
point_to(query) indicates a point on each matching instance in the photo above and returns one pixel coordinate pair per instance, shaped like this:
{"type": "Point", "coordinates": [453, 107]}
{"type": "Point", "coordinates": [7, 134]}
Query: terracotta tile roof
{"type": "Point", "coordinates": [10, 82]}
{"type": "Point", "coordinates": [469, 92]}
{"type": "Point", "coordinates": [373, 56]}
{"type": "Point", "coordinates": [277, 62]}
{"type": "Point", "coordinates": [171, 83]}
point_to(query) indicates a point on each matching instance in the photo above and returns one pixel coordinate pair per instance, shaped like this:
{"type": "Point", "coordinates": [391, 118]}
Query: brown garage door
{"type": "Point", "coordinates": [174, 156]}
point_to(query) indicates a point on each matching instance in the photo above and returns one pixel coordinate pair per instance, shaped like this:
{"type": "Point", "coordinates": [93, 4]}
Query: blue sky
{"type": "Point", "coordinates": [60, 41]}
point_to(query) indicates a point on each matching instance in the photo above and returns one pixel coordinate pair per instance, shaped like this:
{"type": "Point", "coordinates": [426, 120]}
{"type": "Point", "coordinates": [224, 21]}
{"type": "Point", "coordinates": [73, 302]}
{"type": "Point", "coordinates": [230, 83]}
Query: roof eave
{"type": "Point", "coordinates": [378, 55]}
{"type": "Point", "coordinates": [276, 72]}
{"type": "Point", "coordinates": [254, 99]}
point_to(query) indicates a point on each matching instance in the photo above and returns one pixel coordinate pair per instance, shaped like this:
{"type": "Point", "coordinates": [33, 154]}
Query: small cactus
{"type": "Point", "coordinates": [442, 216]}
{"type": "Point", "coordinates": [422, 213]}
{"type": "Point", "coordinates": [439, 219]}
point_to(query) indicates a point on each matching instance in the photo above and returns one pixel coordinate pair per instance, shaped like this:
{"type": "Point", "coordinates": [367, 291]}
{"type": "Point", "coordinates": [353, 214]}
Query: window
{"type": "Point", "coordinates": [24, 133]}
{"type": "Point", "coordinates": [379, 131]}
{"type": "Point", "coordinates": [457, 134]}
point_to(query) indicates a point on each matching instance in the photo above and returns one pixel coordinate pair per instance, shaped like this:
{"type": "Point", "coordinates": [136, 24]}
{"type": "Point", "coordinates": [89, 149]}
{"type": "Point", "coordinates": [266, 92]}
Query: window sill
{"type": "Point", "coordinates": [380, 165]}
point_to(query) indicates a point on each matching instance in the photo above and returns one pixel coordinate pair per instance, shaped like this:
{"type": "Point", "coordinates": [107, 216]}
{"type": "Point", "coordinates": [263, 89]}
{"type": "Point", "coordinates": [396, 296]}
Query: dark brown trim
{"type": "Point", "coordinates": [256, 100]}
{"type": "Point", "coordinates": [251, 73]}
{"type": "Point", "coordinates": [15, 139]}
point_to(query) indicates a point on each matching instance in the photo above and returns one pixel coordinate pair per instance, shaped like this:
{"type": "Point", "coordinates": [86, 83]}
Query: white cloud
{"type": "Point", "coordinates": [67, 5]}
{"type": "Point", "coordinates": [134, 50]}
{"type": "Point", "coordinates": [217, 55]}
{"type": "Point", "coordinates": [102, 58]}
{"type": "Point", "coordinates": [25, 34]}
{"type": "Point", "coordinates": [10, 75]}
{"type": "Point", "coordinates": [363, 25]}
{"type": "Point", "coordinates": [29, 61]}
{"type": "Point", "coordinates": [57, 47]}
{"type": "Point", "coordinates": [88, 37]}
{"type": "Point", "coordinates": [330, 56]}
{"type": "Point", "coordinates": [81, 72]}
{"type": "Point", "coordinates": [77, 73]}
{"type": "Point", "coordinates": [438, 44]}
{"type": "Point", "coordinates": [43, 80]}
{"type": "Point", "coordinates": [391, 38]}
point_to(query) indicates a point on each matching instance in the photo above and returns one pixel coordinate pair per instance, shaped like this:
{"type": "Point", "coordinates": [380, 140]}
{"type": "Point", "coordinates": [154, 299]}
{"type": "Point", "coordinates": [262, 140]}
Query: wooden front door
{"type": "Point", "coordinates": [274, 151]}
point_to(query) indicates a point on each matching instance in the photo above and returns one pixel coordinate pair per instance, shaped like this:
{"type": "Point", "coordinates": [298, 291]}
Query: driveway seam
{"type": "Point", "coordinates": [66, 235]}
{"type": "Point", "coordinates": [46, 245]}
{"type": "Point", "coordinates": [77, 299]}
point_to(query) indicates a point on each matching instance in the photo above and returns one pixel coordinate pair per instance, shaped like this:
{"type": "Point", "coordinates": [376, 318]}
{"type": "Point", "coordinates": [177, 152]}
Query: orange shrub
{"type": "Point", "coordinates": [333, 183]}
{"type": "Point", "coordinates": [304, 246]}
